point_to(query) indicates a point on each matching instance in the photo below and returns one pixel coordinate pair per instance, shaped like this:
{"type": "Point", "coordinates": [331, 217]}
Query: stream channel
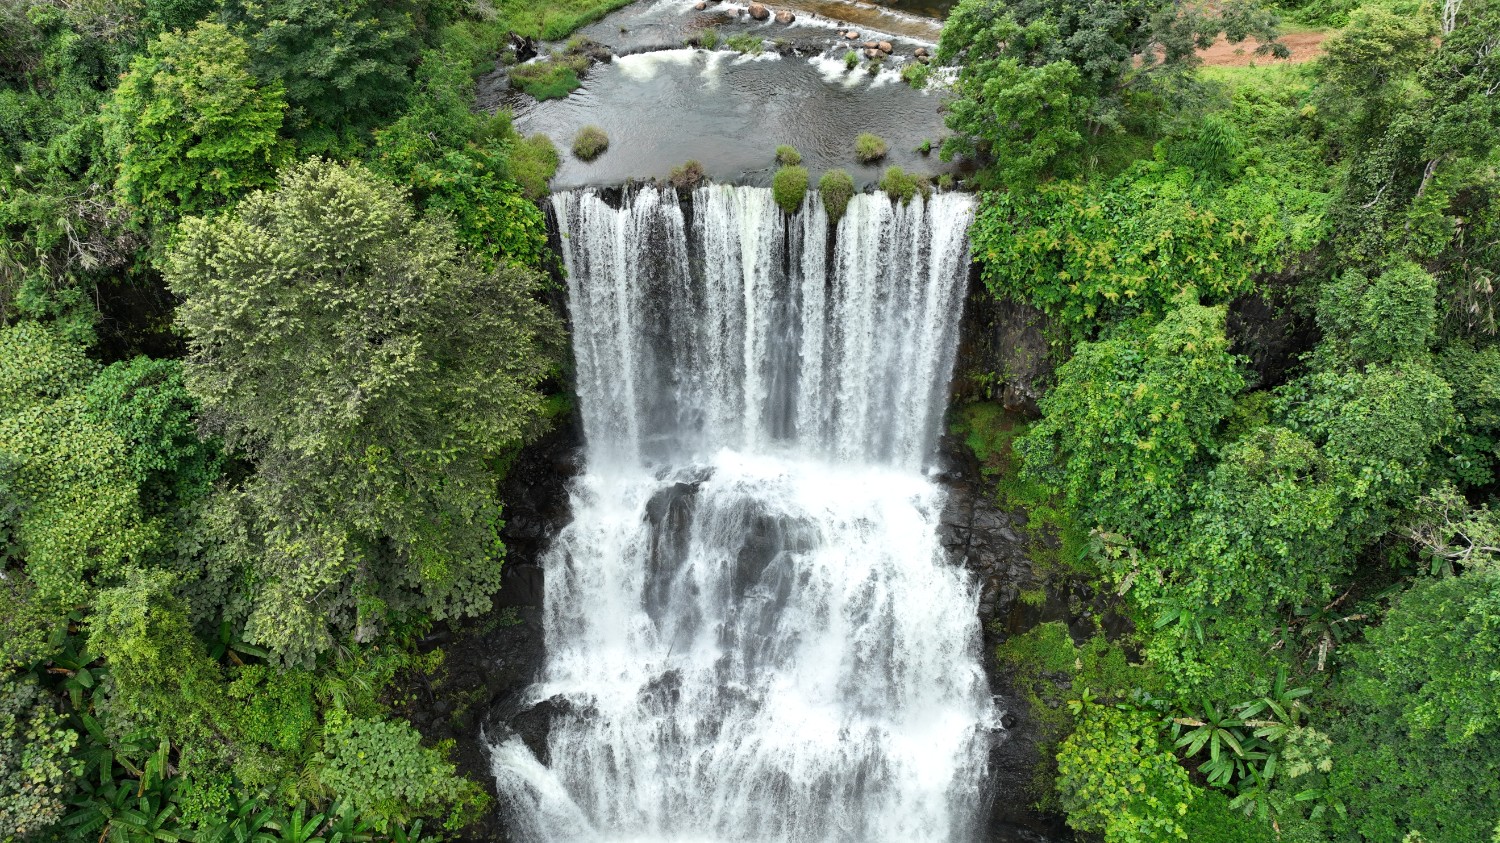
{"type": "Point", "coordinates": [753, 630]}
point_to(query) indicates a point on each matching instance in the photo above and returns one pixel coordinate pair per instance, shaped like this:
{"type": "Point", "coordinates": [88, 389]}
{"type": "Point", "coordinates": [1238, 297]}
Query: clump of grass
{"type": "Point", "coordinates": [748, 44]}
{"type": "Point", "coordinates": [533, 162]}
{"type": "Point", "coordinates": [925, 147]}
{"type": "Point", "coordinates": [550, 78]}
{"type": "Point", "coordinates": [851, 60]}
{"type": "Point", "coordinates": [945, 181]}
{"type": "Point", "coordinates": [900, 185]}
{"type": "Point", "coordinates": [873, 66]}
{"type": "Point", "coordinates": [687, 176]}
{"type": "Point", "coordinates": [869, 148]}
{"type": "Point", "coordinates": [836, 189]}
{"type": "Point", "coordinates": [790, 187]}
{"type": "Point", "coordinates": [788, 156]}
{"type": "Point", "coordinates": [590, 143]}
{"type": "Point", "coordinates": [915, 74]}
{"type": "Point", "coordinates": [708, 39]}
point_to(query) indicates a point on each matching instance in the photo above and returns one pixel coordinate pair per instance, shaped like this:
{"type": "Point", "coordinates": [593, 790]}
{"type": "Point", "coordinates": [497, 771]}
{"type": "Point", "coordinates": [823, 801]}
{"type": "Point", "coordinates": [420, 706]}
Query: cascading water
{"type": "Point", "coordinates": [751, 633]}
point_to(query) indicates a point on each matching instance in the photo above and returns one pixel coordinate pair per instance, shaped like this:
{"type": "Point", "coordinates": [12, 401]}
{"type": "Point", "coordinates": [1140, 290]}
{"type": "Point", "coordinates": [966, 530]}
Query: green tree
{"type": "Point", "coordinates": [373, 373]}
{"type": "Point", "coordinates": [1037, 76]}
{"type": "Point", "coordinates": [1388, 318]}
{"type": "Point", "coordinates": [1132, 418]}
{"type": "Point", "coordinates": [346, 67]}
{"type": "Point", "coordinates": [191, 126]}
{"type": "Point", "coordinates": [1418, 750]}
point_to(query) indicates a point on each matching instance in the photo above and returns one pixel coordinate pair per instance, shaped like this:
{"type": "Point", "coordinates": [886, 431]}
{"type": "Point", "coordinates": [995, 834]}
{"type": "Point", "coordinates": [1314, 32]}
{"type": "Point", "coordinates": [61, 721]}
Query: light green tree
{"type": "Point", "coordinates": [190, 125]}
{"type": "Point", "coordinates": [374, 374]}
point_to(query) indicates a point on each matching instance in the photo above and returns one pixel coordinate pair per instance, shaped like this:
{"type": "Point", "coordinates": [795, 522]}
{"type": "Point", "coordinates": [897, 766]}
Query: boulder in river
{"type": "Point", "coordinates": [852, 35]}
{"type": "Point", "coordinates": [784, 16]}
{"type": "Point", "coordinates": [759, 11]}
{"type": "Point", "coordinates": [921, 52]}
{"type": "Point", "coordinates": [700, 5]}
{"type": "Point", "coordinates": [885, 47]}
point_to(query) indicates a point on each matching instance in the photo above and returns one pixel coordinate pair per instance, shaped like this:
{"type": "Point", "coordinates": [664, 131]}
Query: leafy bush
{"type": "Point", "coordinates": [381, 767]}
{"type": "Point", "coordinates": [1129, 418]}
{"type": "Point", "coordinates": [708, 39]}
{"type": "Point", "coordinates": [36, 772]}
{"type": "Point", "coordinates": [789, 187]}
{"type": "Point", "coordinates": [1116, 777]}
{"type": "Point", "coordinates": [836, 188]}
{"type": "Point", "coordinates": [590, 143]}
{"type": "Point", "coordinates": [687, 176]}
{"type": "Point", "coordinates": [185, 147]}
{"type": "Point", "coordinates": [851, 60]}
{"type": "Point", "coordinates": [788, 156]}
{"type": "Point", "coordinates": [533, 162]}
{"type": "Point", "coordinates": [899, 185]}
{"type": "Point", "coordinates": [1088, 253]}
{"type": "Point", "coordinates": [1379, 320]}
{"type": "Point", "coordinates": [869, 148]}
{"type": "Point", "coordinates": [915, 74]}
{"type": "Point", "coordinates": [550, 78]}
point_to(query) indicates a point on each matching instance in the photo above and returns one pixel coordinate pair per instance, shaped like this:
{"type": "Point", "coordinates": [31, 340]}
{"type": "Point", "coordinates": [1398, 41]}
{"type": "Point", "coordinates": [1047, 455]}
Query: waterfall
{"type": "Point", "coordinates": [751, 632]}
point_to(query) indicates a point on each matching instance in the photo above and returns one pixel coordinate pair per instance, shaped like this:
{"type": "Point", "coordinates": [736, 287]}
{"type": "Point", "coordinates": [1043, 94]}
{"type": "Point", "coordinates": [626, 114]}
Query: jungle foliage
{"type": "Point", "coordinates": [1303, 538]}
{"type": "Point", "coordinates": [271, 330]}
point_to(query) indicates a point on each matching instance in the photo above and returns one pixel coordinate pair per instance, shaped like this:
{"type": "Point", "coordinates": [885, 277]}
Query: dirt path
{"type": "Point", "coordinates": [1305, 46]}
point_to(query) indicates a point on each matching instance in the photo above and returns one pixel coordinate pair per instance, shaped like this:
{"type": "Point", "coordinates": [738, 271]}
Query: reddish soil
{"type": "Point", "coordinates": [1305, 46]}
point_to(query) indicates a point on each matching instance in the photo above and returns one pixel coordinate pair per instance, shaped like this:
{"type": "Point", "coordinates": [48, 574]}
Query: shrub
{"type": "Point", "coordinates": [837, 189]}
{"type": "Point", "coordinates": [550, 78]}
{"type": "Point", "coordinates": [925, 147]}
{"type": "Point", "coordinates": [688, 176]}
{"type": "Point", "coordinates": [1116, 777]}
{"type": "Point", "coordinates": [869, 148]}
{"type": "Point", "coordinates": [789, 187]}
{"type": "Point", "coordinates": [590, 143]}
{"type": "Point", "coordinates": [915, 75]}
{"type": "Point", "coordinates": [851, 60]}
{"type": "Point", "coordinates": [708, 39]}
{"type": "Point", "coordinates": [788, 156]}
{"type": "Point", "coordinates": [748, 44]}
{"type": "Point", "coordinates": [945, 181]}
{"type": "Point", "coordinates": [533, 162]}
{"type": "Point", "coordinates": [381, 767]}
{"type": "Point", "coordinates": [900, 185]}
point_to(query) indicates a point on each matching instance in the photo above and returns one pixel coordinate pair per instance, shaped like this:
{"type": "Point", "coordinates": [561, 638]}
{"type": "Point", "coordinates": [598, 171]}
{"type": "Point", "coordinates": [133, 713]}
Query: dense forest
{"type": "Point", "coordinates": [272, 330]}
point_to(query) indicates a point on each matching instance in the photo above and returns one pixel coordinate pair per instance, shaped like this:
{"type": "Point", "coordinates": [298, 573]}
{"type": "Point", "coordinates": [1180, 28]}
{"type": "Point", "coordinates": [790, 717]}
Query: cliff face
{"type": "Point", "coordinates": [491, 662]}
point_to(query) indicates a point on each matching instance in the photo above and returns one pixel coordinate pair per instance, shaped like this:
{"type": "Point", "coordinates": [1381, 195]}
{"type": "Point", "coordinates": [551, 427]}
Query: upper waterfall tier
{"type": "Point", "coordinates": [744, 328]}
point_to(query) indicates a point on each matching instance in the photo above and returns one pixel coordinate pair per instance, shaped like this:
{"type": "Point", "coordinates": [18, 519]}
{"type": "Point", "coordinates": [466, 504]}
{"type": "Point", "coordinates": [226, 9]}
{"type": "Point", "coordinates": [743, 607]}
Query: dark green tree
{"type": "Point", "coordinates": [1036, 77]}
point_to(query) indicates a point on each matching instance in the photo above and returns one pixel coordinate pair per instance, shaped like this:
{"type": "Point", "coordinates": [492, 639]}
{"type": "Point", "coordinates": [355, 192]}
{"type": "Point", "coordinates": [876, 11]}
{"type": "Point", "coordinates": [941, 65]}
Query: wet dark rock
{"type": "Point", "coordinates": [524, 47]}
{"type": "Point", "coordinates": [758, 11]}
{"type": "Point", "coordinates": [1003, 352]}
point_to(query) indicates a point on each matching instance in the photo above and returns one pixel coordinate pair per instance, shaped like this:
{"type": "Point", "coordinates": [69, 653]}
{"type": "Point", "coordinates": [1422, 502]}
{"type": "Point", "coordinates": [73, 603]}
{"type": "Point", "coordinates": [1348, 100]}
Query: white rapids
{"type": "Point", "coordinates": [751, 631]}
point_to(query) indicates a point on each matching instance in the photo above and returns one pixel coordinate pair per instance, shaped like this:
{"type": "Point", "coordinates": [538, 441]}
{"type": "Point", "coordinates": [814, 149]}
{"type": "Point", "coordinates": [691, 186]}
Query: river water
{"type": "Point", "coordinates": [751, 632]}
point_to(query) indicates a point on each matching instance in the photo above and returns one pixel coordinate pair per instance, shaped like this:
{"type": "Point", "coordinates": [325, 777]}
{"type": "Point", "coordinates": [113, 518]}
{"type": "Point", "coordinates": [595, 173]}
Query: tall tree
{"type": "Point", "coordinates": [373, 373]}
